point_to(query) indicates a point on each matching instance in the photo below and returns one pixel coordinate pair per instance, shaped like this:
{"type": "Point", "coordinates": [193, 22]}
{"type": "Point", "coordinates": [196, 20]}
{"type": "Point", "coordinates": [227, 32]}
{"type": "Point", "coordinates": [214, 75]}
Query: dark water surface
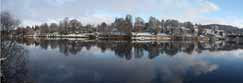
{"type": "Point", "coordinates": [96, 61]}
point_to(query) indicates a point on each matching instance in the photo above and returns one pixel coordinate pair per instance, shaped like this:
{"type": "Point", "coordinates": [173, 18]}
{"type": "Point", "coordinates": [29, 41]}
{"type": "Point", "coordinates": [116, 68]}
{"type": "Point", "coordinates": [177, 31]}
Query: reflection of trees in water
{"type": "Point", "coordinates": [171, 48]}
{"type": "Point", "coordinates": [138, 50]}
{"type": "Point", "coordinates": [189, 48]}
{"type": "Point", "coordinates": [153, 50]}
{"type": "Point", "coordinates": [125, 49]}
{"type": "Point", "coordinates": [14, 64]}
{"type": "Point", "coordinates": [105, 45]}
{"type": "Point", "coordinates": [169, 71]}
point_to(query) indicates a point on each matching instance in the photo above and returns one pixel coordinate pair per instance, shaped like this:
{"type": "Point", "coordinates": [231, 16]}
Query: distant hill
{"type": "Point", "coordinates": [226, 28]}
{"type": "Point", "coordinates": [241, 31]}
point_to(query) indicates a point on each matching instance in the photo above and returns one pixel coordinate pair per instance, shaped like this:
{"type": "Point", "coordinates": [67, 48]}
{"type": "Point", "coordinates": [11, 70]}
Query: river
{"type": "Point", "coordinates": [106, 61]}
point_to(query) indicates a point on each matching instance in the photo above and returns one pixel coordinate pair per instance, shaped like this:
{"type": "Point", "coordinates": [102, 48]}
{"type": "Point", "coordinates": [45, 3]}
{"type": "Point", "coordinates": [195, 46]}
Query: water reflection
{"type": "Point", "coordinates": [13, 63]}
{"type": "Point", "coordinates": [99, 61]}
{"type": "Point", "coordinates": [126, 49]}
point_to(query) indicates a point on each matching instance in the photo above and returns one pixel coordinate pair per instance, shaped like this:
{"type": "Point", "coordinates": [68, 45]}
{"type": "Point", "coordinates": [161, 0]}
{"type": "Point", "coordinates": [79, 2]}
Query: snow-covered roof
{"type": "Point", "coordinates": [162, 34]}
{"type": "Point", "coordinates": [184, 28]}
{"type": "Point", "coordinates": [144, 33]}
{"type": "Point", "coordinates": [117, 33]}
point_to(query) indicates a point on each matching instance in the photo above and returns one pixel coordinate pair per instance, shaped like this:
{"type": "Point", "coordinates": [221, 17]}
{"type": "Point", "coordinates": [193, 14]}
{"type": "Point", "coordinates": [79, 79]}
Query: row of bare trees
{"type": "Point", "coordinates": [120, 25]}
{"type": "Point", "coordinates": [154, 26]}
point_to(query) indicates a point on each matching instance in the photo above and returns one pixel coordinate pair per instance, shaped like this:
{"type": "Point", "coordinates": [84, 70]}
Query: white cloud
{"type": "Point", "coordinates": [95, 19]}
{"type": "Point", "coordinates": [204, 6]}
{"type": "Point", "coordinates": [90, 10]}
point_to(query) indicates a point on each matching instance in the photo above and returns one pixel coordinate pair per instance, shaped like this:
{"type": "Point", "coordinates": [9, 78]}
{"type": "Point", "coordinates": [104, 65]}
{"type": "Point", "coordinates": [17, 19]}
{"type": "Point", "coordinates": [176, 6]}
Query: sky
{"type": "Point", "coordinates": [32, 12]}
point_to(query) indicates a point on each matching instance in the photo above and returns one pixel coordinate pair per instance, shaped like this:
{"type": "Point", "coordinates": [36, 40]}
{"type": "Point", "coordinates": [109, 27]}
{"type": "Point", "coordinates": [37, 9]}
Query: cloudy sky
{"type": "Point", "coordinates": [95, 11]}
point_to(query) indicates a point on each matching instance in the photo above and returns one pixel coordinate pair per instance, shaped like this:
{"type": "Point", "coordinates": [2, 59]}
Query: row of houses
{"type": "Point", "coordinates": [179, 32]}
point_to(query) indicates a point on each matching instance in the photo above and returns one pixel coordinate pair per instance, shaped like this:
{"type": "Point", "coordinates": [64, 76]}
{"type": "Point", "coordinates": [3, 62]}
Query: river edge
{"type": "Point", "coordinates": [125, 37]}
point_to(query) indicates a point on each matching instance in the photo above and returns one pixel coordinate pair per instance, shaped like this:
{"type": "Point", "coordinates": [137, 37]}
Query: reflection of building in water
{"type": "Point", "coordinates": [128, 50]}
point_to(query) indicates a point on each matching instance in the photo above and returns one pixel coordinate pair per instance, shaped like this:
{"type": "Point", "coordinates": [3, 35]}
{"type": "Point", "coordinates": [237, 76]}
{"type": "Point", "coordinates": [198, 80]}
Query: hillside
{"type": "Point", "coordinates": [226, 28]}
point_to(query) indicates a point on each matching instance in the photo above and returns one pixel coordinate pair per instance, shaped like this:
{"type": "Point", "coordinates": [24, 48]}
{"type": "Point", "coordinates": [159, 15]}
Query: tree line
{"type": "Point", "coordinates": [122, 26]}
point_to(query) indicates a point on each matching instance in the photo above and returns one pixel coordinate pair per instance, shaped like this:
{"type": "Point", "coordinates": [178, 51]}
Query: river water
{"type": "Point", "coordinates": [104, 61]}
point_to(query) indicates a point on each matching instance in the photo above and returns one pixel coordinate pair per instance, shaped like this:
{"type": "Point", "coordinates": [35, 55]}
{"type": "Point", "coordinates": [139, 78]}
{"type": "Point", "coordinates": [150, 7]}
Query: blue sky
{"type": "Point", "coordinates": [95, 11]}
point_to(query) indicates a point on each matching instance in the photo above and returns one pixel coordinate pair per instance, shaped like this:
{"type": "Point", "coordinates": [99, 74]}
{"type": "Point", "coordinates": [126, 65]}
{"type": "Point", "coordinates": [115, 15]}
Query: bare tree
{"type": "Point", "coordinates": [189, 25]}
{"type": "Point", "coordinates": [158, 27]}
{"type": "Point", "coordinates": [8, 22]}
{"type": "Point", "coordinates": [163, 28]}
{"type": "Point", "coordinates": [172, 26]}
{"type": "Point", "coordinates": [102, 28]}
{"type": "Point", "coordinates": [139, 24]}
{"type": "Point", "coordinates": [154, 25]}
{"type": "Point", "coordinates": [128, 24]}
{"type": "Point", "coordinates": [44, 28]}
{"type": "Point", "coordinates": [13, 62]}
{"type": "Point", "coordinates": [74, 25]}
{"type": "Point", "coordinates": [53, 27]}
{"type": "Point", "coordinates": [63, 25]}
{"type": "Point", "coordinates": [118, 24]}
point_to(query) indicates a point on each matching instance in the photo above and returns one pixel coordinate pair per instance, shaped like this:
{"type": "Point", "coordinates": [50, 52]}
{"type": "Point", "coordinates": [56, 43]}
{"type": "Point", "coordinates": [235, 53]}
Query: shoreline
{"type": "Point", "coordinates": [124, 37]}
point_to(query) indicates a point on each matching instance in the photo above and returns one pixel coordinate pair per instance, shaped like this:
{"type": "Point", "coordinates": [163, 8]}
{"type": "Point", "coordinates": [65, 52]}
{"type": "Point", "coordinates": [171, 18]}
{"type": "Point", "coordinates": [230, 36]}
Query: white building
{"type": "Point", "coordinates": [149, 36]}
